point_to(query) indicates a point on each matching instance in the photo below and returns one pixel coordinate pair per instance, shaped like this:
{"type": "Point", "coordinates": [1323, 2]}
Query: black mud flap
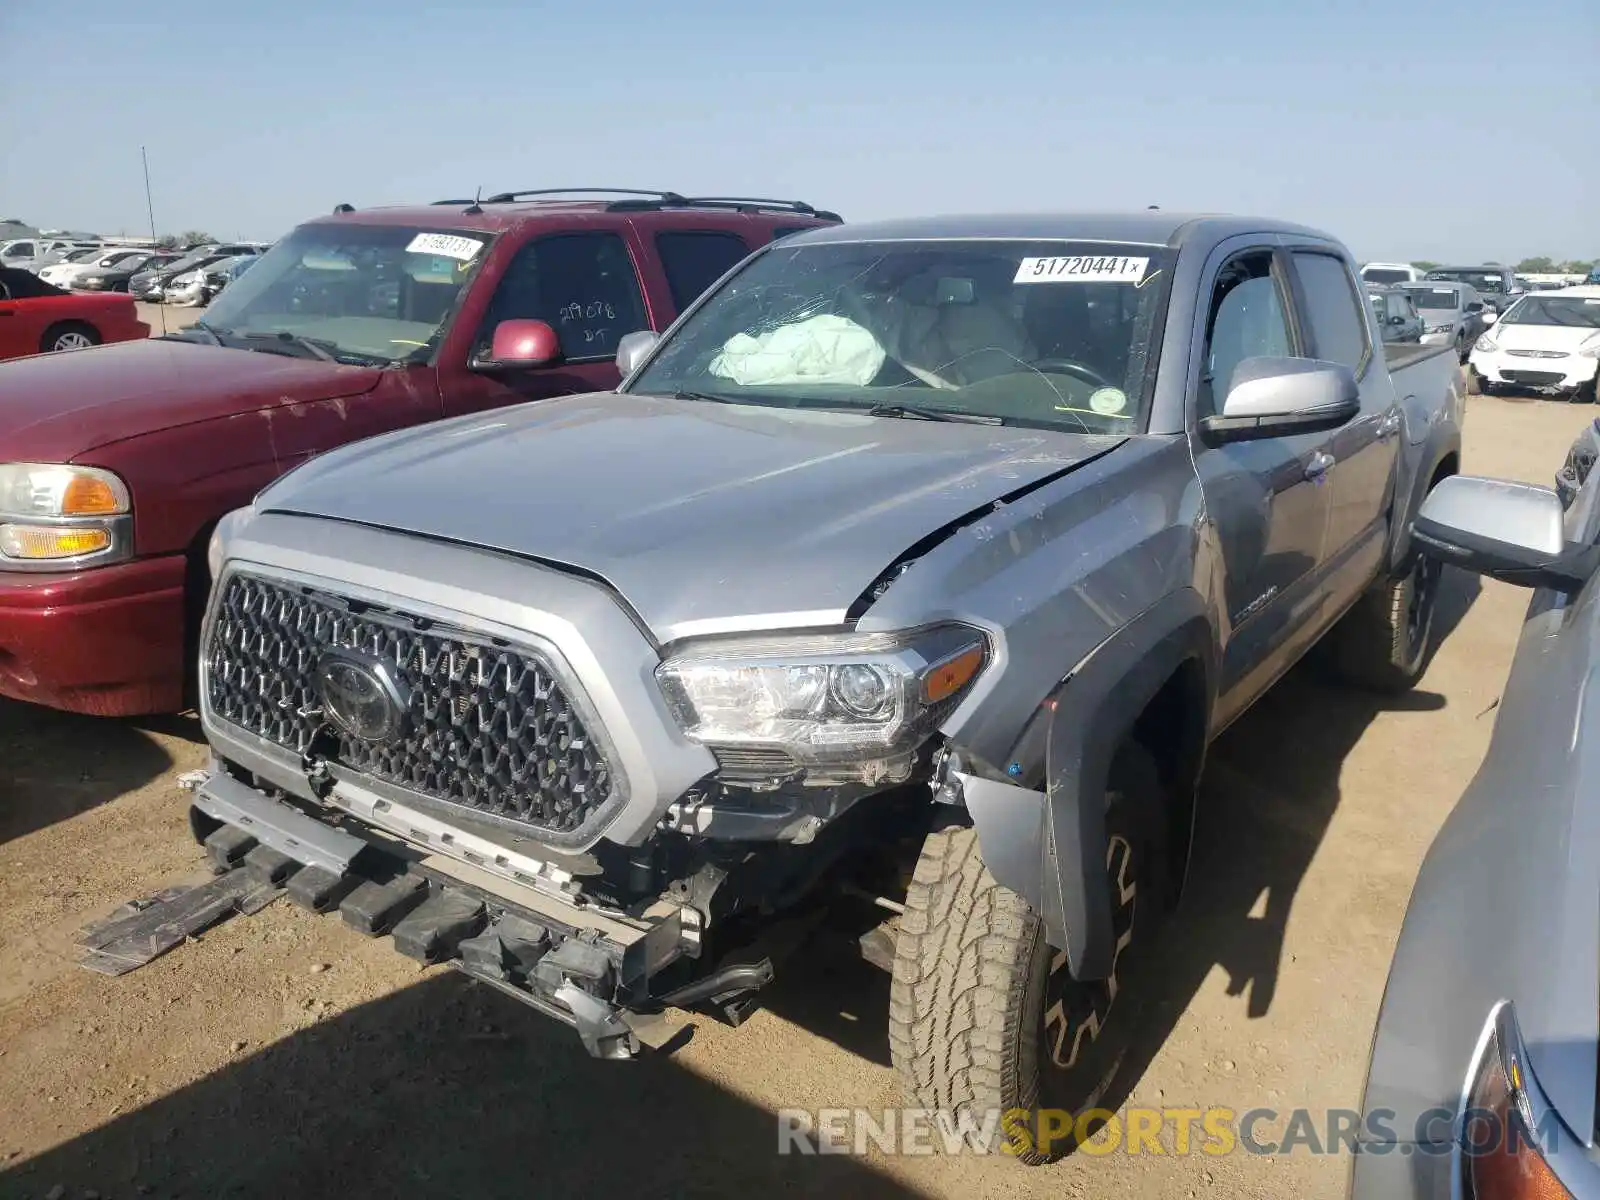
{"type": "Point", "coordinates": [143, 930]}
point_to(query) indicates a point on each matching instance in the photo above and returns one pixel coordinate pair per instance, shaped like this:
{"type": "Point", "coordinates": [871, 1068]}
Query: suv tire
{"type": "Point", "coordinates": [1385, 640]}
{"type": "Point", "coordinates": [982, 1010]}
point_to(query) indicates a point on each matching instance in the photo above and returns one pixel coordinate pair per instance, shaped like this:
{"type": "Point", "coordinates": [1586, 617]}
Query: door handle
{"type": "Point", "coordinates": [1389, 426]}
{"type": "Point", "coordinates": [1317, 465]}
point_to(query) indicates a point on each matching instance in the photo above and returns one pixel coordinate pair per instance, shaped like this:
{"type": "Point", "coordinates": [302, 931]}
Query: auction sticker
{"type": "Point", "coordinates": [1082, 268]}
{"type": "Point", "coordinates": [464, 248]}
{"type": "Point", "coordinates": [1108, 402]}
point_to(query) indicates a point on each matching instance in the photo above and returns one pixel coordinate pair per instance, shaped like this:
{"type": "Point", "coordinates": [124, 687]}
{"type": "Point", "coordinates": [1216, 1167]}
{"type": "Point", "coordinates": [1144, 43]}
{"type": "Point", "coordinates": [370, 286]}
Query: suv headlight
{"type": "Point", "coordinates": [54, 516]}
{"type": "Point", "coordinates": [1505, 1122]}
{"type": "Point", "coordinates": [858, 705]}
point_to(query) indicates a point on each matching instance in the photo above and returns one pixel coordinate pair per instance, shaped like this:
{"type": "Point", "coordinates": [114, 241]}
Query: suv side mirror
{"type": "Point", "coordinates": [1274, 397]}
{"type": "Point", "coordinates": [1513, 532]}
{"type": "Point", "coordinates": [1490, 316]}
{"type": "Point", "coordinates": [634, 348]}
{"type": "Point", "coordinates": [519, 345]}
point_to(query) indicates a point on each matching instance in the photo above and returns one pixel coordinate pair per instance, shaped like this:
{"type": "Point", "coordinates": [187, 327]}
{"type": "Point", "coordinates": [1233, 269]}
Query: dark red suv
{"type": "Point", "coordinates": [116, 462]}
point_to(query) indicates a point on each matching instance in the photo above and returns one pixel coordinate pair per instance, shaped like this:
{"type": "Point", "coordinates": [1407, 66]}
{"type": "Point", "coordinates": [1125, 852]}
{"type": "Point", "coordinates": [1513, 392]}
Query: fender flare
{"type": "Point", "coordinates": [1049, 845]}
{"type": "Point", "coordinates": [1442, 444]}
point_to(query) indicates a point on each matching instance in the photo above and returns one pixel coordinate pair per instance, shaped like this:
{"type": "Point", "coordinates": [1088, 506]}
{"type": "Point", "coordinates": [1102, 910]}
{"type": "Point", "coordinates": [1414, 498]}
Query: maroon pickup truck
{"type": "Point", "coordinates": [116, 462]}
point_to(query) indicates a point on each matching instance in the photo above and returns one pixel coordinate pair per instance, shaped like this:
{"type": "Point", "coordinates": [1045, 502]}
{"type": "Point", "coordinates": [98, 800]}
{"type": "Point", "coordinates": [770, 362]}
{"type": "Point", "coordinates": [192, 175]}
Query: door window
{"type": "Point", "coordinates": [695, 260]}
{"type": "Point", "coordinates": [21, 250]}
{"type": "Point", "coordinates": [1338, 333]}
{"type": "Point", "coordinates": [1247, 320]}
{"type": "Point", "coordinates": [583, 285]}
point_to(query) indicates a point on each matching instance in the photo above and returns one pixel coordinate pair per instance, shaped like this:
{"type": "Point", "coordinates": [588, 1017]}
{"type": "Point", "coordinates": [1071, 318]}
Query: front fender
{"type": "Point", "coordinates": [1048, 844]}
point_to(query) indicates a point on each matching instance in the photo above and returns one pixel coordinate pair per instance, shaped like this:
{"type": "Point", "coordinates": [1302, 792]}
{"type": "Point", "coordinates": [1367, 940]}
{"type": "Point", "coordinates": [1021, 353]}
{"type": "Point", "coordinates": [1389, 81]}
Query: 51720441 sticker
{"type": "Point", "coordinates": [1082, 268]}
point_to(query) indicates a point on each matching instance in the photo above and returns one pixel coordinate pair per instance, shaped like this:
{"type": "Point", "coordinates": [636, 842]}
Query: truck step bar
{"type": "Point", "coordinates": [570, 965]}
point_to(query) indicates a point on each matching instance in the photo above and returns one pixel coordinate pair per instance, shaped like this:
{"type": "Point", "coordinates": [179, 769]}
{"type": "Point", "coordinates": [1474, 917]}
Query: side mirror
{"type": "Point", "coordinates": [1512, 532]}
{"type": "Point", "coordinates": [518, 346]}
{"type": "Point", "coordinates": [1490, 317]}
{"type": "Point", "coordinates": [634, 348]}
{"type": "Point", "coordinates": [1274, 397]}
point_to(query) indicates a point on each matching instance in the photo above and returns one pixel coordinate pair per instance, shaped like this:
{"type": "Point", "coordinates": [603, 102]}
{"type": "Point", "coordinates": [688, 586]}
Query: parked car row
{"type": "Point", "coordinates": [191, 279]}
{"type": "Point", "coordinates": [1498, 287]}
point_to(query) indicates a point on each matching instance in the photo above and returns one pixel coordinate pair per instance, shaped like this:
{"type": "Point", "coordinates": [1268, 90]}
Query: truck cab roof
{"type": "Point", "coordinates": [1150, 228]}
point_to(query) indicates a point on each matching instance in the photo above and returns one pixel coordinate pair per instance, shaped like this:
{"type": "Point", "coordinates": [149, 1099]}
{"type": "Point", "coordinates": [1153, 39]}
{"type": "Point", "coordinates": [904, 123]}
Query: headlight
{"type": "Point", "coordinates": [1590, 347]}
{"type": "Point", "coordinates": [856, 705]}
{"type": "Point", "coordinates": [1486, 343]}
{"type": "Point", "coordinates": [1504, 1122]}
{"type": "Point", "coordinates": [54, 516]}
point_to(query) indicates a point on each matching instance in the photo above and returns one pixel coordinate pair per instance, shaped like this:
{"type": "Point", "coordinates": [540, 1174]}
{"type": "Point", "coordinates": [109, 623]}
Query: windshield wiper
{"type": "Point", "coordinates": [711, 397]}
{"type": "Point", "coordinates": [211, 334]}
{"type": "Point", "coordinates": [314, 347]}
{"type": "Point", "coordinates": [915, 413]}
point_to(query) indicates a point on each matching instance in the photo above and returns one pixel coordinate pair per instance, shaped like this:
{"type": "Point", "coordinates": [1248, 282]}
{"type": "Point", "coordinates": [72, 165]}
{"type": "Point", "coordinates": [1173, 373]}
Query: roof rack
{"type": "Point", "coordinates": [748, 204]}
{"type": "Point", "coordinates": [513, 197]}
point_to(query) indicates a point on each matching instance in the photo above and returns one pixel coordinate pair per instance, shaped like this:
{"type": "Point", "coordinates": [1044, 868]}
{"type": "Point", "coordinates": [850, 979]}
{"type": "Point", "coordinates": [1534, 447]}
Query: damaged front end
{"type": "Point", "coordinates": [608, 972]}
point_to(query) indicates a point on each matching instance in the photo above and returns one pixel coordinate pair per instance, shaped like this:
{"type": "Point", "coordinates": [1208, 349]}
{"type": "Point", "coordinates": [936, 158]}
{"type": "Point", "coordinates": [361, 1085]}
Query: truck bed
{"type": "Point", "coordinates": [1400, 355]}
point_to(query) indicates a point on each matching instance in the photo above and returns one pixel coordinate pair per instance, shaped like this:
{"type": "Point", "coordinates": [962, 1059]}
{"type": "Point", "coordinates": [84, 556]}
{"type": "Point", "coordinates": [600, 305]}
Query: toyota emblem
{"type": "Point", "coordinates": [362, 695]}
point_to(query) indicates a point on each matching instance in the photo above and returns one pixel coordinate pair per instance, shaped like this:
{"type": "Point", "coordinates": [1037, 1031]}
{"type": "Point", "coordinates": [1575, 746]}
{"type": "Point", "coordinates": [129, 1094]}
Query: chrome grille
{"type": "Point", "coordinates": [488, 726]}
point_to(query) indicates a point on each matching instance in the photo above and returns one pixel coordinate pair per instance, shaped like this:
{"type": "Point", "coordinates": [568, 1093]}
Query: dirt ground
{"type": "Point", "coordinates": [285, 1055]}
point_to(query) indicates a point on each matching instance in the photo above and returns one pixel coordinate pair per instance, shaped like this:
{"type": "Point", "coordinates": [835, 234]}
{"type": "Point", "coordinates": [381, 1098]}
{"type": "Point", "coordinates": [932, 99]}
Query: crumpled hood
{"type": "Point", "coordinates": [56, 407]}
{"type": "Point", "coordinates": [702, 515]}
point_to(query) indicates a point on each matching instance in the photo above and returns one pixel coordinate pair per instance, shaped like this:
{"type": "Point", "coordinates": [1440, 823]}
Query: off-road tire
{"type": "Point", "coordinates": [1386, 639]}
{"type": "Point", "coordinates": [973, 1022]}
{"type": "Point", "coordinates": [79, 333]}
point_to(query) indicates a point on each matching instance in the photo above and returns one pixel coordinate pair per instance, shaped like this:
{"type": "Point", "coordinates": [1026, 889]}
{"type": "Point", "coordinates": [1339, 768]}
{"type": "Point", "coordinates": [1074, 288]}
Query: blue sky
{"type": "Point", "coordinates": [1411, 129]}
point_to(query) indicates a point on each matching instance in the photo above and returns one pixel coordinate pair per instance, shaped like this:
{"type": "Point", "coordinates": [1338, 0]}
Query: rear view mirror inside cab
{"type": "Point", "coordinates": [1274, 397]}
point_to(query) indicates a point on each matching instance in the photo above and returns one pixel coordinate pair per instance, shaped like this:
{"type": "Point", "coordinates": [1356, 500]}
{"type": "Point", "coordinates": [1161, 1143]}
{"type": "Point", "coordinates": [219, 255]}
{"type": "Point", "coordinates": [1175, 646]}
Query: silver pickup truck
{"type": "Point", "coordinates": [914, 568]}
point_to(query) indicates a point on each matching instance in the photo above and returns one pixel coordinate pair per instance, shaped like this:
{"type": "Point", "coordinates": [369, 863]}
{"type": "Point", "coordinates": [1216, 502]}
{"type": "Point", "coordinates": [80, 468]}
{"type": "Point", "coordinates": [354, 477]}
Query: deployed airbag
{"type": "Point", "coordinates": [819, 349]}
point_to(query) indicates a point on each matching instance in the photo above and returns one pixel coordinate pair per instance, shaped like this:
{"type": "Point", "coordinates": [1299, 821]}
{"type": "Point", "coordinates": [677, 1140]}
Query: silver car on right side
{"type": "Point", "coordinates": [1482, 1081]}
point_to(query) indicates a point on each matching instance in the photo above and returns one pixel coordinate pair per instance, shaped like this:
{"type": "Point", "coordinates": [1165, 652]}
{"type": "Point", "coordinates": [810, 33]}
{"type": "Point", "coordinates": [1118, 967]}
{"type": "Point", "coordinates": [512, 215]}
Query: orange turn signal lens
{"type": "Point", "coordinates": [945, 679]}
{"type": "Point", "coordinates": [42, 542]}
{"type": "Point", "coordinates": [89, 496]}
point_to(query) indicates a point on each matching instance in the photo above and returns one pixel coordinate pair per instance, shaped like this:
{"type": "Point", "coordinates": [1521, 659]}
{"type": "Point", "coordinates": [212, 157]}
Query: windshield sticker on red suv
{"type": "Point", "coordinates": [464, 248]}
{"type": "Point", "coordinates": [1089, 268]}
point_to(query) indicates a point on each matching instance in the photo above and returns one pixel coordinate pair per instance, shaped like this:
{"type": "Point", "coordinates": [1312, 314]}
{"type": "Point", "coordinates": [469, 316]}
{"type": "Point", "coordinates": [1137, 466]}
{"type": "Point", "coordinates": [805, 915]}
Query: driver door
{"type": "Point", "coordinates": [1267, 499]}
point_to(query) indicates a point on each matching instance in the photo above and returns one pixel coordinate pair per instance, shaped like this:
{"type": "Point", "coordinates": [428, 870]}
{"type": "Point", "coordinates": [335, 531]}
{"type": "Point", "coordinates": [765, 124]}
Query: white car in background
{"type": "Point", "coordinates": [1546, 342]}
{"type": "Point", "coordinates": [1390, 273]}
{"type": "Point", "coordinates": [64, 273]}
{"type": "Point", "coordinates": [29, 254]}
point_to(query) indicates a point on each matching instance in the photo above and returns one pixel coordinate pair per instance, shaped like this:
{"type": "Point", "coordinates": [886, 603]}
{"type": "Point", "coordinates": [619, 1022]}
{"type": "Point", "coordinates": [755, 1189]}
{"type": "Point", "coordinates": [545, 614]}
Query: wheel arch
{"type": "Point", "coordinates": [1152, 681]}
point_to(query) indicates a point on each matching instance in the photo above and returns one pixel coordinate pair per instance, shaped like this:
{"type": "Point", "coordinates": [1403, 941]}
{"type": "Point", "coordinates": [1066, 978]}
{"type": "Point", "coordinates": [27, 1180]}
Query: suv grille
{"type": "Point", "coordinates": [487, 727]}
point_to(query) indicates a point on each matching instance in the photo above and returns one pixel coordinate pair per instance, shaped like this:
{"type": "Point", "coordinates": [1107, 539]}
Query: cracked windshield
{"type": "Point", "coordinates": [1035, 333]}
{"type": "Point", "coordinates": [357, 294]}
